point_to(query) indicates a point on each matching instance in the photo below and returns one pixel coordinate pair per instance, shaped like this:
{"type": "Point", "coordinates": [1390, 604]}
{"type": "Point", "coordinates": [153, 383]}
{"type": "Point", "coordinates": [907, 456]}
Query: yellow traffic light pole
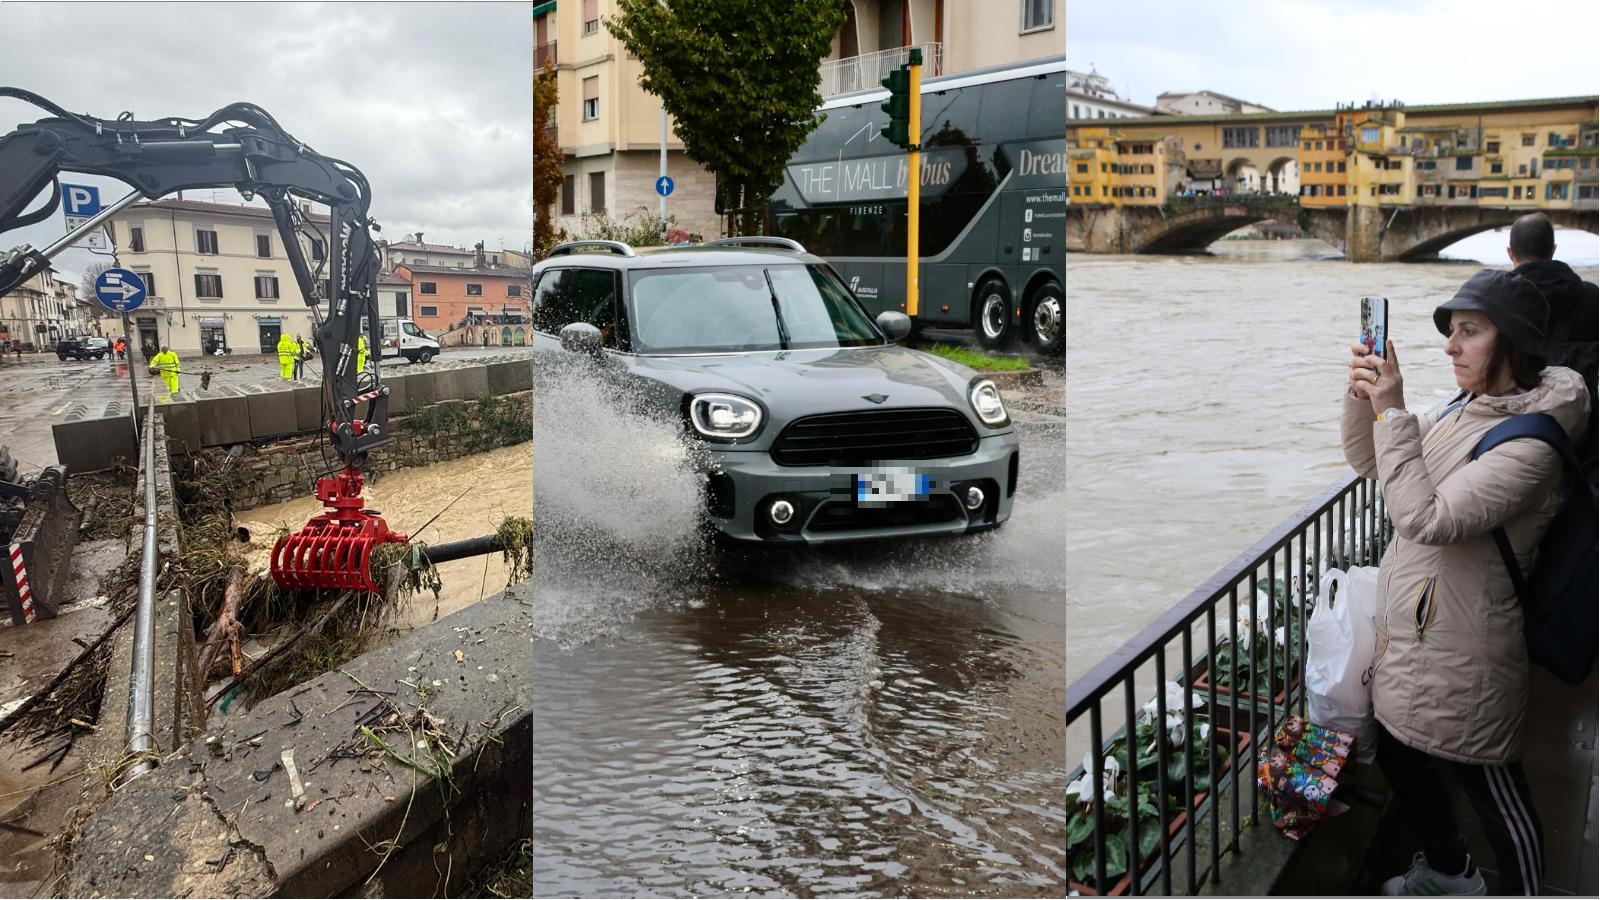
{"type": "Point", "coordinates": [914, 183]}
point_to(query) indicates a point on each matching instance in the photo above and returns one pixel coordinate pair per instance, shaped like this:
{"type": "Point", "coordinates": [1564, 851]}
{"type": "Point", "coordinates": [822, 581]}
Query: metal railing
{"type": "Point", "coordinates": [544, 54]}
{"type": "Point", "coordinates": [141, 687]}
{"type": "Point", "coordinates": [859, 73]}
{"type": "Point", "coordinates": [1244, 699]}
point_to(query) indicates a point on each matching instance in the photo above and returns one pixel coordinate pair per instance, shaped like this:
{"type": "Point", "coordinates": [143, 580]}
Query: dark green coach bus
{"type": "Point", "coordinates": [994, 202]}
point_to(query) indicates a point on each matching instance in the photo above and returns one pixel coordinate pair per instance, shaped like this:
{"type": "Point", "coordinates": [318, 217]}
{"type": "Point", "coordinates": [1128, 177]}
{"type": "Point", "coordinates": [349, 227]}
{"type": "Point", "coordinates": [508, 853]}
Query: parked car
{"type": "Point", "coordinates": [821, 428]}
{"type": "Point", "coordinates": [82, 348]}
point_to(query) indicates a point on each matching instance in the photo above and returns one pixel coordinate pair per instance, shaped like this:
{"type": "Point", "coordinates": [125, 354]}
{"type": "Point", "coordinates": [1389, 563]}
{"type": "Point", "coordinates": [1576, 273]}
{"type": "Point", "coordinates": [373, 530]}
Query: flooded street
{"type": "Point", "coordinates": [1211, 413]}
{"type": "Point", "coordinates": [491, 486]}
{"type": "Point", "coordinates": [879, 720]}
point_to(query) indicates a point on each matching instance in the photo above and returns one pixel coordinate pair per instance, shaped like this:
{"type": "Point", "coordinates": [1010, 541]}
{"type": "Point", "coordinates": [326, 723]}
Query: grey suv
{"type": "Point", "coordinates": [819, 427]}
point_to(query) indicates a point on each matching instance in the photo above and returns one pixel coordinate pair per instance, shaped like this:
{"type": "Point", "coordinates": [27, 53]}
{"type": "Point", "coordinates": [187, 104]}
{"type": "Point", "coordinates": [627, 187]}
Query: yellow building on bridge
{"type": "Point", "coordinates": [1348, 163]}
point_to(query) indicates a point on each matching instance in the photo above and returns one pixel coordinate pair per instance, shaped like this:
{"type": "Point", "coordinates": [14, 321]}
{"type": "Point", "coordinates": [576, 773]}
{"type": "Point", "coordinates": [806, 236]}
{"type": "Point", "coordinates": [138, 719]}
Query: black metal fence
{"type": "Point", "coordinates": [1132, 808]}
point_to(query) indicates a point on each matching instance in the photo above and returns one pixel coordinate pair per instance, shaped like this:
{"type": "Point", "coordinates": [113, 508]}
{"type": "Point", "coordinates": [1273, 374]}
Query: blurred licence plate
{"type": "Point", "coordinates": [890, 486]}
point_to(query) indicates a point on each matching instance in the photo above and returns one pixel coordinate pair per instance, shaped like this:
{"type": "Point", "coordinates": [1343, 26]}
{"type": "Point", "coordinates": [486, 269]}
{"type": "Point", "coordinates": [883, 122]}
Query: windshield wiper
{"type": "Point", "coordinates": [777, 310]}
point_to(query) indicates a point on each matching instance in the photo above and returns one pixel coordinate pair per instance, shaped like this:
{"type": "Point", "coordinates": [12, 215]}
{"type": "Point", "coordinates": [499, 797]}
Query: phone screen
{"type": "Point", "coordinates": [1375, 324]}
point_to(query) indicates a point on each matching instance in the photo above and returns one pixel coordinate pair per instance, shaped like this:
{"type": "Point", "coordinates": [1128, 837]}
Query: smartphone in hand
{"type": "Point", "coordinates": [1375, 324]}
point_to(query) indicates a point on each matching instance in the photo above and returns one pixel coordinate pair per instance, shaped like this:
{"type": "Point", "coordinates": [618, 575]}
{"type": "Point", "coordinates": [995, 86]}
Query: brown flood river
{"type": "Point", "coordinates": [497, 484]}
{"type": "Point", "coordinates": [1203, 397]}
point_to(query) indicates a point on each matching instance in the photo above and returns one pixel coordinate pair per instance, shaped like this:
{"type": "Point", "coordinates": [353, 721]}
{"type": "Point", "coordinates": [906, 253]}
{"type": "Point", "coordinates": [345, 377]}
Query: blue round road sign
{"type": "Point", "coordinates": [664, 185]}
{"type": "Point", "coordinates": [119, 290]}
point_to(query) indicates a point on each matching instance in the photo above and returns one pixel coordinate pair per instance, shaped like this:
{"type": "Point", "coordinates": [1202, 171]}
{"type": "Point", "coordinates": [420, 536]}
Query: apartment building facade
{"type": "Point", "coordinates": [43, 310]}
{"type": "Point", "coordinates": [216, 276]}
{"type": "Point", "coordinates": [609, 128]}
{"type": "Point", "coordinates": [445, 300]}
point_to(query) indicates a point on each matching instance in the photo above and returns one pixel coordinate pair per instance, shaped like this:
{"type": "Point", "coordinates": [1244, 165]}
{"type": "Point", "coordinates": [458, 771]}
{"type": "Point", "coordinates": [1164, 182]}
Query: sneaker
{"type": "Point", "coordinates": [1422, 881]}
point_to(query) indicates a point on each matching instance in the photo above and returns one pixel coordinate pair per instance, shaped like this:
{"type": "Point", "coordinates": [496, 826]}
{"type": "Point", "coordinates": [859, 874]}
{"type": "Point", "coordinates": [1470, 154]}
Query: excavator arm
{"type": "Point", "coordinates": [241, 146]}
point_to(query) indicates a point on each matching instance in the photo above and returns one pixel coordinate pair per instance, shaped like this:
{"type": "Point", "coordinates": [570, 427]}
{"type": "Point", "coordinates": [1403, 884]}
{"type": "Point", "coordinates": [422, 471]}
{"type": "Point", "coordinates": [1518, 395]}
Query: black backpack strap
{"type": "Point", "coordinates": [1539, 427]}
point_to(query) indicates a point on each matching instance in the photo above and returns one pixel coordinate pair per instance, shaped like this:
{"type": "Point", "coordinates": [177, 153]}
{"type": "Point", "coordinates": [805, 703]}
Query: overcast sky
{"type": "Point", "coordinates": [1310, 54]}
{"type": "Point", "coordinates": [431, 101]}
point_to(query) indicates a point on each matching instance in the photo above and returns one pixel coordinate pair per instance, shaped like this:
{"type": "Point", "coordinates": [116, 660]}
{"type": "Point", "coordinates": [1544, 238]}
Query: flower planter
{"type": "Point", "coordinates": [1236, 744]}
{"type": "Point", "coordinates": [1202, 682]}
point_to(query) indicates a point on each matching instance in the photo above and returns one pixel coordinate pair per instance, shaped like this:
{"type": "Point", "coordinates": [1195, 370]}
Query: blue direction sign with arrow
{"type": "Point", "coordinates": [664, 185]}
{"type": "Point", "coordinates": [120, 290]}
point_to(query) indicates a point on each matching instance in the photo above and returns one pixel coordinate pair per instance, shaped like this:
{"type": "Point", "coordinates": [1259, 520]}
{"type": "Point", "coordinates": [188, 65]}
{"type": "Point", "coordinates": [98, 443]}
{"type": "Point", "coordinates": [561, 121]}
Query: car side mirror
{"type": "Point", "coordinates": [896, 325]}
{"type": "Point", "coordinates": [581, 337]}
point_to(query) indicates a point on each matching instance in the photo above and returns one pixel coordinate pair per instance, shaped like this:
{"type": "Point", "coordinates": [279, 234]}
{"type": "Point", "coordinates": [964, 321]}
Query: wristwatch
{"type": "Point", "coordinates": [1390, 413]}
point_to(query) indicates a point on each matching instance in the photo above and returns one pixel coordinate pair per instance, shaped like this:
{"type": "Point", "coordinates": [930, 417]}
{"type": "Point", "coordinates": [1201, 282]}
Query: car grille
{"type": "Point", "coordinates": [838, 516]}
{"type": "Point", "coordinates": [856, 438]}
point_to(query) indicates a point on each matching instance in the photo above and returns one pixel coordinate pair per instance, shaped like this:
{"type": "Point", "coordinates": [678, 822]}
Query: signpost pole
{"type": "Point", "coordinates": [914, 184]}
{"type": "Point", "coordinates": [663, 170]}
{"type": "Point", "coordinates": [133, 381]}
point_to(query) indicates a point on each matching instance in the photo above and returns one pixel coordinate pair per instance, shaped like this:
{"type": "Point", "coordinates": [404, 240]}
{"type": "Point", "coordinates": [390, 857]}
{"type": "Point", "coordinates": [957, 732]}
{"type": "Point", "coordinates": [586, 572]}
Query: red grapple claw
{"type": "Point", "coordinates": [333, 550]}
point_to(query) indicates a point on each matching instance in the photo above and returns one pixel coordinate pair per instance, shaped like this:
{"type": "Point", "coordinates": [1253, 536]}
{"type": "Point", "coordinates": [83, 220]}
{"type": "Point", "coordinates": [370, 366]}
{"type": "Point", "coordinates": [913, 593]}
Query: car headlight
{"type": "Point", "coordinates": [986, 402]}
{"type": "Point", "coordinates": [724, 416]}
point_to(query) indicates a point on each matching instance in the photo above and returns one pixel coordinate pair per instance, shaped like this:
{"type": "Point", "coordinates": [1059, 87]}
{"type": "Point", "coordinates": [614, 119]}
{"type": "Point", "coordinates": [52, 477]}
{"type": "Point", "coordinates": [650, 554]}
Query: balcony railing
{"type": "Point", "coordinates": [544, 54]}
{"type": "Point", "coordinates": [858, 73]}
{"type": "Point", "coordinates": [1243, 702]}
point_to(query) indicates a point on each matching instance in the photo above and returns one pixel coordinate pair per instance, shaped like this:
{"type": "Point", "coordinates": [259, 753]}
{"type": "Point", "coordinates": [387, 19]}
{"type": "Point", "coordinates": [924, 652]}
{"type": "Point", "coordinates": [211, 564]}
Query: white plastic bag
{"type": "Point", "coordinates": [1342, 644]}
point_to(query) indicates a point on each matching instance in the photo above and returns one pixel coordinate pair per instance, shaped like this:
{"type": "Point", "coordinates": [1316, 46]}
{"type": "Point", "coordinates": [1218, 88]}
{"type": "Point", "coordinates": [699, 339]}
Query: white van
{"type": "Point", "coordinates": [402, 337]}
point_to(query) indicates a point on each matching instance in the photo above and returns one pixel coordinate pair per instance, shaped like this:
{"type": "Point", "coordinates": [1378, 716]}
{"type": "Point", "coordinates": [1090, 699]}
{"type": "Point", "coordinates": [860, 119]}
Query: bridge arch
{"type": "Point", "coordinates": [1198, 233]}
{"type": "Point", "coordinates": [1282, 176]}
{"type": "Point", "coordinates": [1241, 176]}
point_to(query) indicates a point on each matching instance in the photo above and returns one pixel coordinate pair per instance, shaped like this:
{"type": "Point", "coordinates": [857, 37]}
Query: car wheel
{"type": "Point", "coordinates": [424, 356]}
{"type": "Point", "coordinates": [1044, 320]}
{"type": "Point", "coordinates": [991, 314]}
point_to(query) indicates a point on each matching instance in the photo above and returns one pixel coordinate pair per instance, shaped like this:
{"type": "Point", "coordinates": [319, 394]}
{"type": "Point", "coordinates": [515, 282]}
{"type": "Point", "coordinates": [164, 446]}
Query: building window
{"type": "Point", "coordinates": [591, 98]}
{"type": "Point", "coordinates": [1492, 147]}
{"type": "Point", "coordinates": [136, 238]}
{"type": "Point", "coordinates": [1527, 140]}
{"type": "Point", "coordinates": [427, 287]}
{"type": "Point", "coordinates": [591, 16]}
{"type": "Point", "coordinates": [597, 192]}
{"type": "Point", "coordinates": [569, 195]}
{"type": "Point", "coordinates": [474, 289]}
{"type": "Point", "coordinates": [1494, 169]}
{"type": "Point", "coordinates": [428, 310]}
{"type": "Point", "coordinates": [1341, 190]}
{"type": "Point", "coordinates": [1341, 167]}
{"type": "Point", "coordinates": [1463, 163]}
{"type": "Point", "coordinates": [205, 242]}
{"type": "Point", "coordinates": [208, 285]}
{"type": "Point", "coordinates": [1037, 14]}
{"type": "Point", "coordinates": [1369, 135]}
{"type": "Point", "coordinates": [266, 287]}
{"type": "Point", "coordinates": [264, 245]}
{"type": "Point", "coordinates": [1241, 137]}
{"type": "Point", "coordinates": [513, 290]}
{"type": "Point", "coordinates": [149, 280]}
{"type": "Point", "coordinates": [401, 304]}
{"type": "Point", "coordinates": [1283, 135]}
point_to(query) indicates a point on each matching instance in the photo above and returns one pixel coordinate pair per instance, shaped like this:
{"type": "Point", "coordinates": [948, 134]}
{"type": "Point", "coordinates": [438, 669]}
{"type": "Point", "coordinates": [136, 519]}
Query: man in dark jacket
{"type": "Point", "coordinates": [1571, 335]}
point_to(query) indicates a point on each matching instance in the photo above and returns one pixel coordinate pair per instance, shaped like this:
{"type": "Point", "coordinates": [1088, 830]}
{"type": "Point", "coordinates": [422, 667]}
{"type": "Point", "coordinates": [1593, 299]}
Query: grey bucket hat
{"type": "Point", "coordinates": [1511, 302]}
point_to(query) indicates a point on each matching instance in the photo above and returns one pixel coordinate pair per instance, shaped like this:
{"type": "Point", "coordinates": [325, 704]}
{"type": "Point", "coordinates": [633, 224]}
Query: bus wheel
{"type": "Point", "coordinates": [991, 314]}
{"type": "Point", "coordinates": [1044, 320]}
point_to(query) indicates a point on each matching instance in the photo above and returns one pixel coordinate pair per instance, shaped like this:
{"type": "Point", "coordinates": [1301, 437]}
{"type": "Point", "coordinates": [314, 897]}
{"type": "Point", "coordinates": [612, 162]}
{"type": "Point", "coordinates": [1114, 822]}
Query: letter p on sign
{"type": "Point", "coordinates": [81, 200]}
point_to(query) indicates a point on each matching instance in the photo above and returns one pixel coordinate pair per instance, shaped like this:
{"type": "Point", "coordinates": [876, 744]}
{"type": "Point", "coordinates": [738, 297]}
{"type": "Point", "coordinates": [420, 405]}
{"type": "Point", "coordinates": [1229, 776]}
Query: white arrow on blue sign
{"type": "Point", "coordinates": [664, 185]}
{"type": "Point", "coordinates": [80, 201]}
{"type": "Point", "coordinates": [120, 290]}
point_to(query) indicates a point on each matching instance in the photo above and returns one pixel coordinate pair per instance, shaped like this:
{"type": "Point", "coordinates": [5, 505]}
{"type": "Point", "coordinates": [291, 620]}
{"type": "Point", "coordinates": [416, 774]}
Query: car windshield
{"type": "Point", "coordinates": [733, 308]}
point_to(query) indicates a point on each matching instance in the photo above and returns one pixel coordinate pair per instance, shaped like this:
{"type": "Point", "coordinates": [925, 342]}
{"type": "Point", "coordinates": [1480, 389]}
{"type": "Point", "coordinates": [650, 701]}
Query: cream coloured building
{"type": "Point", "coordinates": [610, 129]}
{"type": "Point", "coordinates": [216, 275]}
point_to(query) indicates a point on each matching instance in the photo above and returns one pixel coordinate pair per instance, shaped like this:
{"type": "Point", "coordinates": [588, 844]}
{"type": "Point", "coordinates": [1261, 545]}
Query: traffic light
{"type": "Point", "coordinates": [898, 106]}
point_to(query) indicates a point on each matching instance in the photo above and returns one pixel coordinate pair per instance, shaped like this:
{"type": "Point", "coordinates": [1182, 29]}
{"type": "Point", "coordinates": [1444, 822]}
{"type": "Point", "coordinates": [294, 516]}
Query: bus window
{"type": "Point", "coordinates": [950, 119]}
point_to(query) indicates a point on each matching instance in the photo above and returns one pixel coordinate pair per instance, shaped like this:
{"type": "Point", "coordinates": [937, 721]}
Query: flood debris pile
{"type": "Point", "coordinates": [254, 639]}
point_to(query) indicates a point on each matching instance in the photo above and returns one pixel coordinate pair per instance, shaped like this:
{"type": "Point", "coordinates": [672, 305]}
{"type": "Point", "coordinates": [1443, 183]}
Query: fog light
{"type": "Point", "coordinates": [781, 512]}
{"type": "Point", "coordinates": [974, 498]}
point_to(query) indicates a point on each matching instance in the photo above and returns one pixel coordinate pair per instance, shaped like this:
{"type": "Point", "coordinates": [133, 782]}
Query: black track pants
{"type": "Point", "coordinates": [1499, 795]}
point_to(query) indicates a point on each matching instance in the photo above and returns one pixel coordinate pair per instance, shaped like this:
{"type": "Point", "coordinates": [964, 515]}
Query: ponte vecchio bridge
{"type": "Point", "coordinates": [1381, 181]}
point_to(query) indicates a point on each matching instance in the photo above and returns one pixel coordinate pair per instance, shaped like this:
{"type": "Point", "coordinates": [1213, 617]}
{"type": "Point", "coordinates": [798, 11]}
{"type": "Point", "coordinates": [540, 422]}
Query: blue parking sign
{"type": "Point", "coordinates": [80, 201]}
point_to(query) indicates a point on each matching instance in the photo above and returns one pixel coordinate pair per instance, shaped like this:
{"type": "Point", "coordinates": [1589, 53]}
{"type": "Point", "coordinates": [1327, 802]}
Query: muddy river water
{"type": "Point", "coordinates": [1207, 408]}
{"type": "Point", "coordinates": [878, 721]}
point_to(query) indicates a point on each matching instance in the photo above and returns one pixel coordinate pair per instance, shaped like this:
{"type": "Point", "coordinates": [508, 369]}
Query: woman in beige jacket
{"type": "Point", "coordinates": [1450, 686]}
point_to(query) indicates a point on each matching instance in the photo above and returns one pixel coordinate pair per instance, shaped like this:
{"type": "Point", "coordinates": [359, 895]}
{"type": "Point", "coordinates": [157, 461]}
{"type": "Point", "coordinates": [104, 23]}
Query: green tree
{"type": "Point", "coordinates": [739, 78]}
{"type": "Point", "coordinates": [547, 162]}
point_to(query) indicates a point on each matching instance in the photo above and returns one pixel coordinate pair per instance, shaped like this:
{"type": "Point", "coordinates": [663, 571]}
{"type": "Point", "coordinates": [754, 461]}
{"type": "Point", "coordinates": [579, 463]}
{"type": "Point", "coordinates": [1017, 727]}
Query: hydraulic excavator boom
{"type": "Point", "coordinates": [241, 146]}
